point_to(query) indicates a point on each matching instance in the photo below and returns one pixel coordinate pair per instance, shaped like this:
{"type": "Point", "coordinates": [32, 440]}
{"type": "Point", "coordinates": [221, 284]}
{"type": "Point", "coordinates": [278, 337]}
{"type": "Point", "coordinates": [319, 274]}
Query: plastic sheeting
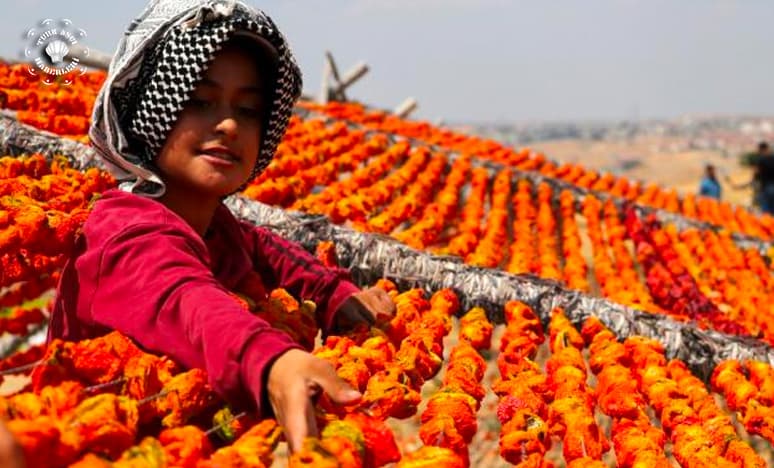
{"type": "Point", "coordinates": [17, 138]}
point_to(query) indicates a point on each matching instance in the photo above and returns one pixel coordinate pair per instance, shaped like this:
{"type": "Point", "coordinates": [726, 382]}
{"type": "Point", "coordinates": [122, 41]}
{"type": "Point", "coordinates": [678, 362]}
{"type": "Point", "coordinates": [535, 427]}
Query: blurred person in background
{"type": "Point", "coordinates": [762, 181]}
{"type": "Point", "coordinates": [709, 185]}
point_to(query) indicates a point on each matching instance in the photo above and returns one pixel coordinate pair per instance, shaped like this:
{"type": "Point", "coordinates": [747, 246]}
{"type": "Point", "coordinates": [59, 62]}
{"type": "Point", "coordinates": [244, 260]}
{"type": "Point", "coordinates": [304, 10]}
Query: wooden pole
{"type": "Point", "coordinates": [354, 74]}
{"type": "Point", "coordinates": [406, 107]}
{"type": "Point", "coordinates": [335, 92]}
{"type": "Point", "coordinates": [325, 89]}
{"type": "Point", "coordinates": [338, 92]}
{"type": "Point", "coordinates": [333, 86]}
{"type": "Point", "coordinates": [332, 65]}
{"type": "Point", "coordinates": [90, 57]}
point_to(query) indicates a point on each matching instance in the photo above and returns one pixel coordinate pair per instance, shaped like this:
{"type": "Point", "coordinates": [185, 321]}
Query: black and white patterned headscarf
{"type": "Point", "coordinates": [159, 62]}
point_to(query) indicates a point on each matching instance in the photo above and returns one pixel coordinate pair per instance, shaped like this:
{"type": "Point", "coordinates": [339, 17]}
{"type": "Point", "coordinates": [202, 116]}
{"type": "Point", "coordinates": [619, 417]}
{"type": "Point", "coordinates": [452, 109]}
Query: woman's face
{"type": "Point", "coordinates": [213, 147]}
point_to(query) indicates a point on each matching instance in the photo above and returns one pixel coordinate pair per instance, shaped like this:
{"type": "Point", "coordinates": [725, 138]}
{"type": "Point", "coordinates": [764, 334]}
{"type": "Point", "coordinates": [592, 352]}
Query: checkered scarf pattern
{"type": "Point", "coordinates": [147, 101]}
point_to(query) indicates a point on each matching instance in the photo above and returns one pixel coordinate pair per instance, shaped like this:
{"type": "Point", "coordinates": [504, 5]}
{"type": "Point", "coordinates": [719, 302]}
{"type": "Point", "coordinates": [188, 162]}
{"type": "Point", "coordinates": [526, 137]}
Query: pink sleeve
{"type": "Point", "coordinates": [155, 287]}
{"type": "Point", "coordinates": [284, 264]}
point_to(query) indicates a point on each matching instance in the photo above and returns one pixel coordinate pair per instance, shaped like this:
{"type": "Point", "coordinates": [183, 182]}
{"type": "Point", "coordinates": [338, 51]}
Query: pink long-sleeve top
{"type": "Point", "coordinates": [142, 270]}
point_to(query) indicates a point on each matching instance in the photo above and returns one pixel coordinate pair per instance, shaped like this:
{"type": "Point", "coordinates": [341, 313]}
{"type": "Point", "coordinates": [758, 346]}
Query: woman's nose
{"type": "Point", "coordinates": [226, 125]}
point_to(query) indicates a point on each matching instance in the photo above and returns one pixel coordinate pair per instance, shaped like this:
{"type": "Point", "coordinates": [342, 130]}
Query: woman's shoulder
{"type": "Point", "coordinates": [117, 211]}
{"type": "Point", "coordinates": [117, 198]}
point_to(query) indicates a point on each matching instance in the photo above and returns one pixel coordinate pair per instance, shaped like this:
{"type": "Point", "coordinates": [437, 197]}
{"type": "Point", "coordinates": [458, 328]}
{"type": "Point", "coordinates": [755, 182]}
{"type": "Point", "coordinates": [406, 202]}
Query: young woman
{"type": "Point", "coordinates": [196, 100]}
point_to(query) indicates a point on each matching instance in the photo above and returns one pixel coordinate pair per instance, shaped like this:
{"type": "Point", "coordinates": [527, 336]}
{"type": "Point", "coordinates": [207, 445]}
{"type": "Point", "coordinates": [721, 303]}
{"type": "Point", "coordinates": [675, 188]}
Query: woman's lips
{"type": "Point", "coordinates": [219, 157]}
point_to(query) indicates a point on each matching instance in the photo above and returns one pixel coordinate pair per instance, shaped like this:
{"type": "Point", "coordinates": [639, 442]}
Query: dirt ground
{"type": "Point", "coordinates": [652, 160]}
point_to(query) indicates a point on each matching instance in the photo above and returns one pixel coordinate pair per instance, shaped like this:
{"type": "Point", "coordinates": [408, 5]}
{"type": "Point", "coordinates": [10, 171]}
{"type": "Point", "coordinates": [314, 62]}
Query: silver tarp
{"type": "Point", "coordinates": [17, 138]}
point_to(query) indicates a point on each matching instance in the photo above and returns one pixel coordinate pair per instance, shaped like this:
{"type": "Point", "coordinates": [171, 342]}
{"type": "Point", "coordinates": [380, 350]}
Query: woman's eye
{"type": "Point", "coordinates": [251, 112]}
{"type": "Point", "coordinates": [199, 103]}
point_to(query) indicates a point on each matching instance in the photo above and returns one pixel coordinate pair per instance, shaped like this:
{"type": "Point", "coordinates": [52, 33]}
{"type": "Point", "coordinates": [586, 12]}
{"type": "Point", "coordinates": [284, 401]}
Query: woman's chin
{"type": "Point", "coordinates": [219, 187]}
{"type": "Point", "coordinates": [222, 179]}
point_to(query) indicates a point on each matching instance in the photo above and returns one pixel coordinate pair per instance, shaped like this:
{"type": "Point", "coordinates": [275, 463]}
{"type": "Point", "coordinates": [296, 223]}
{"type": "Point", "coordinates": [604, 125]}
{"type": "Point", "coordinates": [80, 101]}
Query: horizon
{"type": "Point", "coordinates": [611, 120]}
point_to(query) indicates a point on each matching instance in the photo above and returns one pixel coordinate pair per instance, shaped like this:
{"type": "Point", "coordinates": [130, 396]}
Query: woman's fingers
{"type": "Point", "coordinates": [11, 454]}
{"type": "Point", "coordinates": [311, 418]}
{"type": "Point", "coordinates": [334, 386]}
{"type": "Point", "coordinates": [296, 378]}
{"type": "Point", "coordinates": [385, 304]}
{"type": "Point", "coordinates": [363, 315]}
{"type": "Point", "coordinates": [300, 421]}
{"type": "Point", "coordinates": [296, 419]}
{"type": "Point", "coordinates": [377, 302]}
{"type": "Point", "coordinates": [364, 307]}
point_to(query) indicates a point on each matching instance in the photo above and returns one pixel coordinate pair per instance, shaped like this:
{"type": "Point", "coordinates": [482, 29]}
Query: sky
{"type": "Point", "coordinates": [502, 61]}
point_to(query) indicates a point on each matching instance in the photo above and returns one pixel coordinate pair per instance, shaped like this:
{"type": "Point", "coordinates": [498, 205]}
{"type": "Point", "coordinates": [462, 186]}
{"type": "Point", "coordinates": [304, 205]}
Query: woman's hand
{"type": "Point", "coordinates": [295, 378]}
{"type": "Point", "coordinates": [363, 307]}
{"type": "Point", "coordinates": [11, 454]}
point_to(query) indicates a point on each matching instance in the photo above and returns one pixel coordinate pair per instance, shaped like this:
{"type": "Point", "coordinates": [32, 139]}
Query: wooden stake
{"type": "Point", "coordinates": [332, 65]}
{"type": "Point", "coordinates": [354, 74]}
{"type": "Point", "coordinates": [91, 58]}
{"type": "Point", "coordinates": [325, 89]}
{"type": "Point", "coordinates": [406, 107]}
